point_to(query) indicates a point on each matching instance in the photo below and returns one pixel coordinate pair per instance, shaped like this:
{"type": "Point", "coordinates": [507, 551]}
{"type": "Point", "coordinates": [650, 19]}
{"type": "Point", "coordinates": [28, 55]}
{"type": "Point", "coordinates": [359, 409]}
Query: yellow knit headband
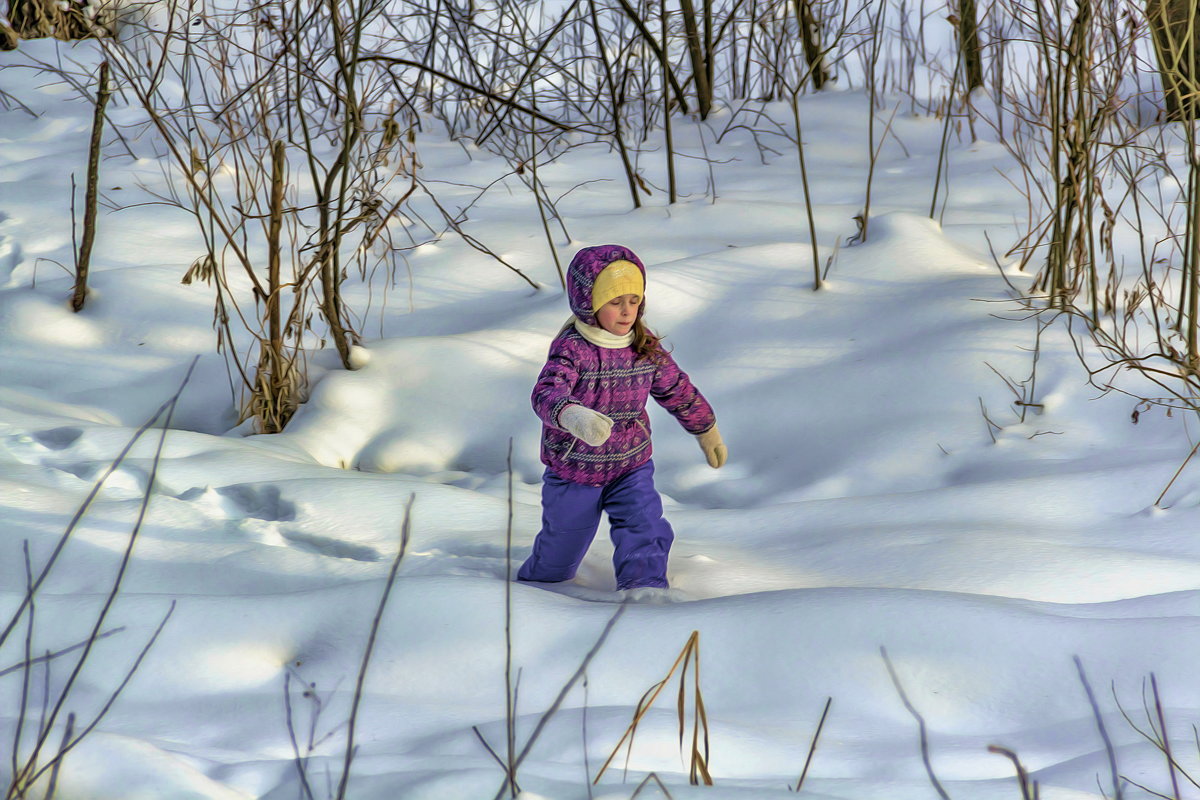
{"type": "Point", "coordinates": [618, 278]}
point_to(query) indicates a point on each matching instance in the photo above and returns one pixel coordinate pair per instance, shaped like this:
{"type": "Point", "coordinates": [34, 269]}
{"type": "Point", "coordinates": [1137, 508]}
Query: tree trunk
{"type": "Point", "coordinates": [810, 37]}
{"type": "Point", "coordinates": [700, 69]}
{"type": "Point", "coordinates": [968, 43]}
{"type": "Point", "coordinates": [1175, 27]}
{"type": "Point", "coordinates": [83, 259]}
{"type": "Point", "coordinates": [276, 378]}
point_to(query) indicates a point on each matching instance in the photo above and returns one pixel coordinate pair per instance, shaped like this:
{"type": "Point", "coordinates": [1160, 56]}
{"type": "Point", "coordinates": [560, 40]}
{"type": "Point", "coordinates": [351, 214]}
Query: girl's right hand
{"type": "Point", "coordinates": [586, 424]}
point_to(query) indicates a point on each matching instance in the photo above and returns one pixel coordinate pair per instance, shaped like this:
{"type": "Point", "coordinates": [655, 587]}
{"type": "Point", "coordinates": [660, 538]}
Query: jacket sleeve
{"type": "Point", "coordinates": [675, 392]}
{"type": "Point", "coordinates": [552, 392]}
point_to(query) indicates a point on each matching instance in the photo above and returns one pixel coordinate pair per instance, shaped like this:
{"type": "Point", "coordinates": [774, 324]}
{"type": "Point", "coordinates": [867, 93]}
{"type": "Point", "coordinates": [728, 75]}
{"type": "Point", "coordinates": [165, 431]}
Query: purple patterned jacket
{"type": "Point", "coordinates": [611, 381]}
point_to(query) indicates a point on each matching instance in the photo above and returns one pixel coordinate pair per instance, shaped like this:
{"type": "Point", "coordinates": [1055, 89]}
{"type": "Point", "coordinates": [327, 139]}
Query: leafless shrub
{"type": "Point", "coordinates": [293, 154]}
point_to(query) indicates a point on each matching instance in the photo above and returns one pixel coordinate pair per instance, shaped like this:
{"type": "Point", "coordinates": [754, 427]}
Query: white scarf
{"type": "Point", "coordinates": [598, 336]}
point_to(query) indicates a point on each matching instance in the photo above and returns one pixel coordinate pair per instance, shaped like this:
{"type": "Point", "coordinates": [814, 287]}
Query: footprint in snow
{"type": "Point", "coordinates": [58, 438]}
{"type": "Point", "coordinates": [256, 501]}
{"type": "Point", "coordinates": [474, 559]}
{"type": "Point", "coordinates": [125, 482]}
{"type": "Point", "coordinates": [328, 546]}
{"type": "Point", "coordinates": [30, 448]}
{"type": "Point", "coordinates": [50, 448]}
{"type": "Point", "coordinates": [257, 510]}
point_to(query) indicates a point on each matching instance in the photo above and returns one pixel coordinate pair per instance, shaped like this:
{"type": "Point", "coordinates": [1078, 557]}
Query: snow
{"type": "Point", "coordinates": [868, 502]}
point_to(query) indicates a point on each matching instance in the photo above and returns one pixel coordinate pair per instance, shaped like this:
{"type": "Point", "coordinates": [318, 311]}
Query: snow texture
{"type": "Point", "coordinates": [867, 503]}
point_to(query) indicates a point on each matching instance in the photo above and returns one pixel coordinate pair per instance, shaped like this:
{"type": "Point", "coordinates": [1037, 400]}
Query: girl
{"type": "Point", "coordinates": [591, 398]}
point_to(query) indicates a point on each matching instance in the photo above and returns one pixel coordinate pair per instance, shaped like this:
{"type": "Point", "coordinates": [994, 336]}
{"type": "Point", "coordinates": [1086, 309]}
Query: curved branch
{"type": "Point", "coordinates": [404, 62]}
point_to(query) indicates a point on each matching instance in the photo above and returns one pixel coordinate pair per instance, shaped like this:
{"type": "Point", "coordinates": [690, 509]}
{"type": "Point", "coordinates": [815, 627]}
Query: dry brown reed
{"type": "Point", "coordinates": [698, 747]}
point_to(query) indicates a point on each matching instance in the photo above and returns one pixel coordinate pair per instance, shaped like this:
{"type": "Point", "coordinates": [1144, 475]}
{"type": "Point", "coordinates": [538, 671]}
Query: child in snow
{"type": "Point", "coordinates": [591, 397]}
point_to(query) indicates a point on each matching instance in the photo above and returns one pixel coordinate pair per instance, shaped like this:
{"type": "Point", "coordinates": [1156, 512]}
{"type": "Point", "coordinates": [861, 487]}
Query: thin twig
{"type": "Point", "coordinates": [587, 769]}
{"type": "Point", "coordinates": [52, 784]}
{"type": "Point", "coordinates": [510, 710]}
{"type": "Point", "coordinates": [300, 762]}
{"type": "Point", "coordinates": [562, 695]}
{"type": "Point", "coordinates": [1028, 792]}
{"type": "Point", "coordinates": [920, 725]}
{"type": "Point", "coordinates": [1178, 472]}
{"type": "Point", "coordinates": [18, 729]}
{"type": "Point", "coordinates": [404, 62]}
{"type": "Point", "coordinates": [491, 751]}
{"type": "Point", "coordinates": [405, 529]}
{"type": "Point", "coordinates": [57, 653]}
{"type": "Point", "coordinates": [65, 692]}
{"type": "Point", "coordinates": [1108, 746]}
{"type": "Point", "coordinates": [812, 748]}
{"type": "Point", "coordinates": [66, 747]}
{"type": "Point", "coordinates": [1166, 743]}
{"type": "Point", "coordinates": [77, 517]}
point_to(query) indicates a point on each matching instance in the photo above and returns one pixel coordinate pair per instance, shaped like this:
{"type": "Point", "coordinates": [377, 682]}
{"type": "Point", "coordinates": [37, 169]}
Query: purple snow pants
{"type": "Point", "coordinates": [571, 514]}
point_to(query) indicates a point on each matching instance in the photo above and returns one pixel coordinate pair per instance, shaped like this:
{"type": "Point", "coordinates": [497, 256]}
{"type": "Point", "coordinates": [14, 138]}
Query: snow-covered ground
{"type": "Point", "coordinates": [867, 504]}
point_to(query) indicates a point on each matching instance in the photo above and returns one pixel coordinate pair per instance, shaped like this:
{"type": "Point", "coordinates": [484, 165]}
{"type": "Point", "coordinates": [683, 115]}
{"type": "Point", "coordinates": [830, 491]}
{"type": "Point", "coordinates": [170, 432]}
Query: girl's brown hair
{"type": "Point", "coordinates": [646, 344]}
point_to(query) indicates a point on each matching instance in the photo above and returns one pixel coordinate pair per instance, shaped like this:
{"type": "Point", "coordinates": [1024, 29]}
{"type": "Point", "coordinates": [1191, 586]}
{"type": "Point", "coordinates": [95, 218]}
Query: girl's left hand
{"type": "Point", "coordinates": [714, 448]}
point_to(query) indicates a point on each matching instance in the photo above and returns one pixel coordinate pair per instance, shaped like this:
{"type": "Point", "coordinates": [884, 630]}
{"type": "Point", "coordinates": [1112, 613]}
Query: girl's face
{"type": "Point", "coordinates": [618, 315]}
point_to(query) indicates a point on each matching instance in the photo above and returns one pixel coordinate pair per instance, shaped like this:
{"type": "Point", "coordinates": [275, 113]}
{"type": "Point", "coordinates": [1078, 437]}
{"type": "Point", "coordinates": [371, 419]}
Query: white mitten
{"type": "Point", "coordinates": [583, 423]}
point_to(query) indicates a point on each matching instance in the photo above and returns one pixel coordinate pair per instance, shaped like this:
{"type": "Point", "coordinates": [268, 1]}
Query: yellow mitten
{"type": "Point", "coordinates": [714, 449]}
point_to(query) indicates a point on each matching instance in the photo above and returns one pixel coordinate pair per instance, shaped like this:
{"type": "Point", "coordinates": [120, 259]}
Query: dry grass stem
{"type": "Point", "coordinates": [1029, 788]}
{"type": "Point", "coordinates": [698, 756]}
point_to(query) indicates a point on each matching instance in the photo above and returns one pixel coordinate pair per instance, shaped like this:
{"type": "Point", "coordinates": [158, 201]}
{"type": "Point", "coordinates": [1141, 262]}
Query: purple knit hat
{"type": "Point", "coordinates": [585, 267]}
